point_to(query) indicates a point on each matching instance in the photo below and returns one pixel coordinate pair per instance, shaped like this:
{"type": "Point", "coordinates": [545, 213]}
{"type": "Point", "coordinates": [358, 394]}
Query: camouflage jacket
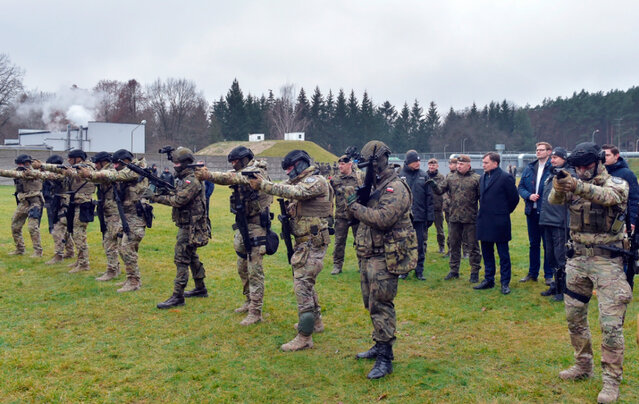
{"type": "Point", "coordinates": [463, 191]}
{"type": "Point", "coordinates": [387, 213]}
{"type": "Point", "coordinates": [129, 185]}
{"type": "Point", "coordinates": [28, 188]}
{"type": "Point", "coordinates": [340, 182]}
{"type": "Point", "coordinates": [188, 200]}
{"type": "Point", "coordinates": [82, 189]}
{"type": "Point", "coordinates": [445, 196]}
{"type": "Point", "coordinates": [312, 200]}
{"type": "Point", "coordinates": [593, 207]}
{"type": "Point", "coordinates": [256, 202]}
{"type": "Point", "coordinates": [438, 200]}
{"type": "Point", "coordinates": [60, 186]}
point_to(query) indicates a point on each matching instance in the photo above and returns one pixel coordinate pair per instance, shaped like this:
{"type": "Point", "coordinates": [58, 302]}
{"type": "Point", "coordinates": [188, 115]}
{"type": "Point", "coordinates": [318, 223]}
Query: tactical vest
{"type": "Point", "coordinates": [322, 206]}
{"type": "Point", "coordinates": [193, 211]}
{"type": "Point", "coordinates": [401, 229]}
{"type": "Point", "coordinates": [589, 217]}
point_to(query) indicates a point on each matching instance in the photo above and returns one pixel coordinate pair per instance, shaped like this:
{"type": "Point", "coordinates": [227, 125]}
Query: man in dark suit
{"type": "Point", "coordinates": [498, 198]}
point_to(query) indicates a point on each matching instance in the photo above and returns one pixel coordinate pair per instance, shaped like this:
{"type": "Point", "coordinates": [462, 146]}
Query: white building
{"type": "Point", "coordinates": [95, 137]}
{"type": "Point", "coordinates": [256, 137]}
{"type": "Point", "coordinates": [294, 136]}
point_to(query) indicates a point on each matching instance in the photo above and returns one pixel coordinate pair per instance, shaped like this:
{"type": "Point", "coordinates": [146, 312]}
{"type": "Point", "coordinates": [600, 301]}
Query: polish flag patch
{"type": "Point", "coordinates": [390, 189]}
{"type": "Point", "coordinates": [187, 181]}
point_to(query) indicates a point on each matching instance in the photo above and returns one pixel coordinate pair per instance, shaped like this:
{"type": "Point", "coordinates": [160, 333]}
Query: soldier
{"type": "Point", "coordinates": [310, 207]}
{"type": "Point", "coordinates": [123, 189]}
{"type": "Point", "coordinates": [463, 189]}
{"type": "Point", "coordinates": [81, 209]}
{"type": "Point", "coordinates": [438, 203]}
{"type": "Point", "coordinates": [194, 228]}
{"type": "Point", "coordinates": [29, 200]}
{"type": "Point", "coordinates": [254, 206]}
{"type": "Point", "coordinates": [56, 202]}
{"type": "Point", "coordinates": [347, 177]}
{"type": "Point", "coordinates": [452, 167]}
{"type": "Point", "coordinates": [386, 246]}
{"type": "Point", "coordinates": [596, 202]}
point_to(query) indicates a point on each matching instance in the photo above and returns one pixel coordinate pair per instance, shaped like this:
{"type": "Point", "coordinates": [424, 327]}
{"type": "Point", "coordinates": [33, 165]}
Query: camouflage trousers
{"type": "Point", "coordinates": [439, 226]}
{"type": "Point", "coordinates": [307, 262]}
{"type": "Point", "coordinates": [464, 246]}
{"type": "Point", "coordinates": [186, 256]}
{"type": "Point", "coordinates": [341, 234]}
{"type": "Point", "coordinates": [606, 276]}
{"type": "Point", "coordinates": [379, 288]}
{"type": "Point", "coordinates": [463, 233]}
{"type": "Point", "coordinates": [130, 243]}
{"type": "Point", "coordinates": [62, 240]}
{"type": "Point", "coordinates": [250, 269]}
{"type": "Point", "coordinates": [79, 238]}
{"type": "Point", "coordinates": [110, 241]}
{"type": "Point", "coordinates": [20, 216]}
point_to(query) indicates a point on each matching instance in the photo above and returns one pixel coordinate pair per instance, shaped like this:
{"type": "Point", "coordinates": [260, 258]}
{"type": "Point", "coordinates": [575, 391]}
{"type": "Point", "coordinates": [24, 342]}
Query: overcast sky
{"type": "Point", "coordinates": [452, 52]}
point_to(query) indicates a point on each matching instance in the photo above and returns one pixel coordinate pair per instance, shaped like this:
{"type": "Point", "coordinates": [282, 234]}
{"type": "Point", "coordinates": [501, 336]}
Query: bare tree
{"type": "Point", "coordinates": [282, 116]}
{"type": "Point", "coordinates": [10, 86]}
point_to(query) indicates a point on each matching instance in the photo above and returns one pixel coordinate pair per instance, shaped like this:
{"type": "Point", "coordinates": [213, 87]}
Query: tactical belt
{"type": "Point", "coordinates": [255, 219]}
{"type": "Point", "coordinates": [303, 239]}
{"type": "Point", "coordinates": [577, 296]}
{"type": "Point", "coordinates": [593, 250]}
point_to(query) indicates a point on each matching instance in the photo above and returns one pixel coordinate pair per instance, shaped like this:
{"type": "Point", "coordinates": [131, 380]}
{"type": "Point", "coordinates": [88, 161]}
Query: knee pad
{"type": "Point", "coordinates": [306, 323]}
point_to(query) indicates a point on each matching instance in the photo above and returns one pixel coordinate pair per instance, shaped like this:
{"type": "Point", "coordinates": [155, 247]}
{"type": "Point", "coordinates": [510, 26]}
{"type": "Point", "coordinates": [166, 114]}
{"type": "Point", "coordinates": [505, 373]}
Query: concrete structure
{"type": "Point", "coordinates": [294, 136]}
{"type": "Point", "coordinates": [97, 136]}
{"type": "Point", "coordinates": [256, 137]}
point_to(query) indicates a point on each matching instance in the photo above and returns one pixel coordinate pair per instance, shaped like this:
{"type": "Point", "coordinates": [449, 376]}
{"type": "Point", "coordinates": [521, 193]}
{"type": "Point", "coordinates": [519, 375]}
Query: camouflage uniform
{"type": "Point", "coordinates": [310, 208]}
{"type": "Point", "coordinates": [29, 197]}
{"type": "Point", "coordinates": [463, 191]}
{"type": "Point", "coordinates": [438, 205]}
{"type": "Point", "coordinates": [257, 205]}
{"type": "Point", "coordinates": [343, 218]}
{"type": "Point", "coordinates": [593, 206]}
{"type": "Point", "coordinates": [82, 197]}
{"type": "Point", "coordinates": [130, 188]}
{"type": "Point", "coordinates": [385, 220]}
{"type": "Point", "coordinates": [62, 239]}
{"type": "Point", "coordinates": [113, 232]}
{"type": "Point", "coordinates": [189, 215]}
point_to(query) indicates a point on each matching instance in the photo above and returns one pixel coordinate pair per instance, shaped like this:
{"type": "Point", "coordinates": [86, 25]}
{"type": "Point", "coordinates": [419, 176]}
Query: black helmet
{"type": "Point", "coordinates": [77, 153]}
{"type": "Point", "coordinates": [239, 152]}
{"type": "Point", "coordinates": [122, 154]}
{"type": "Point", "coordinates": [55, 159]}
{"type": "Point", "coordinates": [23, 158]}
{"type": "Point", "coordinates": [585, 154]}
{"type": "Point", "coordinates": [102, 156]}
{"type": "Point", "coordinates": [294, 156]}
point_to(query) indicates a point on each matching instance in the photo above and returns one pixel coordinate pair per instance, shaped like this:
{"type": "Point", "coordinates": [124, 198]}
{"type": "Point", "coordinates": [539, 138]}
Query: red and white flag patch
{"type": "Point", "coordinates": [187, 181]}
{"type": "Point", "coordinates": [390, 189]}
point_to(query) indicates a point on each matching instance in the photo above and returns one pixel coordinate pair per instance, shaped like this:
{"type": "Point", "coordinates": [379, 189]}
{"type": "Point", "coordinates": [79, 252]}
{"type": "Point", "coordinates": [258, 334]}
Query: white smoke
{"type": "Point", "coordinates": [73, 105]}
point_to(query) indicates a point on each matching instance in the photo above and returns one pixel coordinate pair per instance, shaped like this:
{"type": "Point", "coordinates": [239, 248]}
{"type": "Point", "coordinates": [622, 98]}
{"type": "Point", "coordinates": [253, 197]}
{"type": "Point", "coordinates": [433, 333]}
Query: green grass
{"type": "Point", "coordinates": [68, 338]}
{"type": "Point", "coordinates": [271, 148]}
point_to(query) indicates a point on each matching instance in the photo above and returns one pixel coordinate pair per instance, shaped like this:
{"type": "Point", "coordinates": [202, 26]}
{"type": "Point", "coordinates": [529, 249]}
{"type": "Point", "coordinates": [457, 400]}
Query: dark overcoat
{"type": "Point", "coordinates": [498, 198]}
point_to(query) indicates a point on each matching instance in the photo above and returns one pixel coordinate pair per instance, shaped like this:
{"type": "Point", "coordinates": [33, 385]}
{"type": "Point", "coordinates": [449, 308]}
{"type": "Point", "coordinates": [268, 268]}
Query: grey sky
{"type": "Point", "coordinates": [451, 52]}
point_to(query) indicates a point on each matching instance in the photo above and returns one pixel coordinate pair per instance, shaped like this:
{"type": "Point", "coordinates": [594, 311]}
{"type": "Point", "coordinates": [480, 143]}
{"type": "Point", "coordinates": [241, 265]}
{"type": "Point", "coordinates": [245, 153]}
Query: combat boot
{"type": "Point", "coordinates": [36, 254]}
{"type": "Point", "coordinates": [73, 264]}
{"type": "Point", "coordinates": [336, 270]}
{"type": "Point", "coordinates": [370, 354]}
{"type": "Point", "coordinates": [559, 297]}
{"type": "Point", "coordinates": [609, 393]}
{"type": "Point", "coordinates": [577, 372]}
{"type": "Point", "coordinates": [69, 254]}
{"type": "Point", "coordinates": [383, 362]}
{"type": "Point", "coordinates": [252, 318]}
{"type": "Point", "coordinates": [16, 252]}
{"type": "Point", "coordinates": [298, 343]}
{"type": "Point", "coordinates": [174, 301]}
{"type": "Point", "coordinates": [552, 290]}
{"type": "Point", "coordinates": [79, 268]}
{"type": "Point", "coordinates": [130, 285]}
{"type": "Point", "coordinates": [107, 276]}
{"type": "Point", "coordinates": [318, 326]}
{"type": "Point", "coordinates": [441, 250]}
{"type": "Point", "coordinates": [451, 275]}
{"type": "Point", "coordinates": [243, 308]}
{"type": "Point", "coordinates": [57, 258]}
{"type": "Point", "coordinates": [474, 277]}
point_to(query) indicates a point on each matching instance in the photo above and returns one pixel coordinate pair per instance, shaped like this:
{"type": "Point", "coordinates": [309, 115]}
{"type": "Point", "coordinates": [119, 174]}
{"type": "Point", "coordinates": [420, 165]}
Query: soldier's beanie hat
{"type": "Point", "coordinates": [101, 156]}
{"type": "Point", "coordinates": [23, 158]}
{"type": "Point", "coordinates": [411, 157]}
{"type": "Point", "coordinates": [344, 159]}
{"type": "Point", "coordinates": [55, 159]}
{"type": "Point", "coordinates": [560, 152]}
{"type": "Point", "coordinates": [77, 153]}
{"type": "Point", "coordinates": [453, 160]}
{"type": "Point", "coordinates": [432, 161]}
{"type": "Point", "coordinates": [463, 157]}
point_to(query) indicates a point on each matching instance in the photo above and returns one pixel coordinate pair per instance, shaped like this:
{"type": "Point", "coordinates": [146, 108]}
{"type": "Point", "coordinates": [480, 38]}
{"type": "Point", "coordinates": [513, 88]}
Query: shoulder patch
{"type": "Point", "coordinates": [390, 189]}
{"type": "Point", "coordinates": [187, 181]}
{"type": "Point", "coordinates": [618, 180]}
{"type": "Point", "coordinates": [310, 180]}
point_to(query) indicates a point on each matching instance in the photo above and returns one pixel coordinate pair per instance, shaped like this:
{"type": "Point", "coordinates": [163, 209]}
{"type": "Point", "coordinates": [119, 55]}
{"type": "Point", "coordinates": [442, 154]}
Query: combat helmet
{"type": "Point", "coordinates": [299, 160]}
{"type": "Point", "coordinates": [378, 152]}
{"type": "Point", "coordinates": [240, 152]}
{"type": "Point", "coordinates": [77, 153]}
{"type": "Point", "coordinates": [585, 154]}
{"type": "Point", "coordinates": [101, 156]}
{"type": "Point", "coordinates": [23, 159]}
{"type": "Point", "coordinates": [55, 159]}
{"type": "Point", "coordinates": [122, 154]}
{"type": "Point", "coordinates": [183, 155]}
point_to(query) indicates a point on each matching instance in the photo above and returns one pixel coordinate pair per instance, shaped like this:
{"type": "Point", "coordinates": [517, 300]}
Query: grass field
{"type": "Point", "coordinates": [68, 338]}
{"type": "Point", "coordinates": [272, 148]}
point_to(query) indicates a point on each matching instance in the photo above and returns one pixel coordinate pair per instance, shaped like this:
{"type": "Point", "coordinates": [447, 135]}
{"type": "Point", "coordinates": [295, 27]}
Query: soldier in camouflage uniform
{"type": "Point", "coordinates": [596, 202]}
{"type": "Point", "coordinates": [310, 206]}
{"type": "Point", "coordinates": [194, 228]}
{"type": "Point", "coordinates": [347, 177]}
{"type": "Point", "coordinates": [80, 193]}
{"type": "Point", "coordinates": [29, 200]}
{"type": "Point", "coordinates": [56, 202]}
{"type": "Point", "coordinates": [384, 238]}
{"type": "Point", "coordinates": [127, 189]}
{"type": "Point", "coordinates": [463, 190]}
{"type": "Point", "coordinates": [452, 167]}
{"type": "Point", "coordinates": [256, 207]}
{"type": "Point", "coordinates": [438, 203]}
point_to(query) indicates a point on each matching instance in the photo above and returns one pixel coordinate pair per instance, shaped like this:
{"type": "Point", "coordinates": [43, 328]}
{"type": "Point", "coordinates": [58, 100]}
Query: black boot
{"type": "Point", "coordinates": [474, 277]}
{"type": "Point", "coordinates": [173, 301]}
{"type": "Point", "coordinates": [383, 363]}
{"type": "Point", "coordinates": [370, 354]}
{"type": "Point", "coordinates": [551, 290]}
{"type": "Point", "coordinates": [198, 291]}
{"type": "Point", "coordinates": [559, 297]}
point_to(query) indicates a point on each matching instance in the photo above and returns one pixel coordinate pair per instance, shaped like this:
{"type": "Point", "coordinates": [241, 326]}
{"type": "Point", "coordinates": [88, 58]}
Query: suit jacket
{"type": "Point", "coordinates": [498, 198]}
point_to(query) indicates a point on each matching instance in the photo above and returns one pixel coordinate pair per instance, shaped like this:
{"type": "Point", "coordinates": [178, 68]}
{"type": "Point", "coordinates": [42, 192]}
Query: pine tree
{"type": "Point", "coordinates": [235, 127]}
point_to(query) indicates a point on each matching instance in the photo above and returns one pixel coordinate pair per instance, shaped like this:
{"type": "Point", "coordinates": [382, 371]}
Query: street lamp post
{"type": "Point", "coordinates": [593, 134]}
{"type": "Point", "coordinates": [143, 122]}
{"type": "Point", "coordinates": [445, 146]}
{"type": "Point", "coordinates": [464, 145]}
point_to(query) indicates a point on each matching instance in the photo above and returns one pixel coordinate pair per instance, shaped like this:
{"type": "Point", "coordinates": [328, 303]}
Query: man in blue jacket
{"type": "Point", "coordinates": [617, 167]}
{"type": "Point", "coordinates": [531, 187]}
{"type": "Point", "coordinates": [498, 199]}
{"type": "Point", "coordinates": [422, 209]}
